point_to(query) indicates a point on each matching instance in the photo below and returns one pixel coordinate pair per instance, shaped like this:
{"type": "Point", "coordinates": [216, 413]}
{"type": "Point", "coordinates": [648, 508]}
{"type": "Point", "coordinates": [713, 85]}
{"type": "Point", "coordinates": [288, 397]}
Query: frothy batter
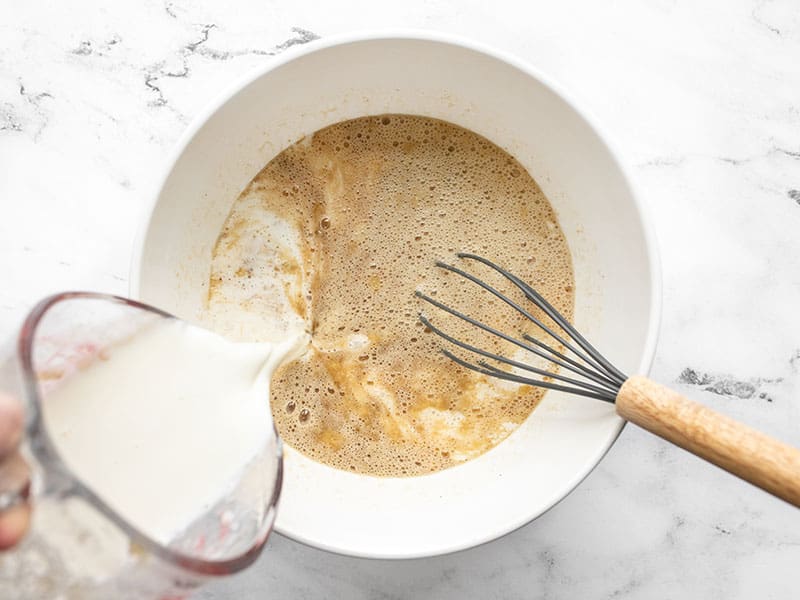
{"type": "Point", "coordinates": [338, 231]}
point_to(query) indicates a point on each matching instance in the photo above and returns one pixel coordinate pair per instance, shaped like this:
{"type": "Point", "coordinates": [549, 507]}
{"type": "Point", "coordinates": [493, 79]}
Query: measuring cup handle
{"type": "Point", "coordinates": [739, 449]}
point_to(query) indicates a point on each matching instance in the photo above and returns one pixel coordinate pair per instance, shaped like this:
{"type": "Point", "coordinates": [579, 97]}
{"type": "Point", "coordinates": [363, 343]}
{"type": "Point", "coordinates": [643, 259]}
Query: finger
{"type": "Point", "coordinates": [14, 475]}
{"type": "Point", "coordinates": [11, 424]}
{"type": "Point", "coordinates": [14, 522]}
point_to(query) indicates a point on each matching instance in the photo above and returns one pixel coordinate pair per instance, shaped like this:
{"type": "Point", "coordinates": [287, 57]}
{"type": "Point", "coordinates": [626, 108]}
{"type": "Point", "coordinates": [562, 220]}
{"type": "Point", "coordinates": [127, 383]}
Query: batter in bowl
{"type": "Point", "coordinates": [337, 232]}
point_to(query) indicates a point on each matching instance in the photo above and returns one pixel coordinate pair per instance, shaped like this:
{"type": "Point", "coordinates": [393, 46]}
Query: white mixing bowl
{"type": "Point", "coordinates": [616, 268]}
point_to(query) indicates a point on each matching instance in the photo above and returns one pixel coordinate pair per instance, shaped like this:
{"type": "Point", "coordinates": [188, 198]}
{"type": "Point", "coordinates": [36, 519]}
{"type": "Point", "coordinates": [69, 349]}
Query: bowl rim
{"type": "Point", "coordinates": [643, 214]}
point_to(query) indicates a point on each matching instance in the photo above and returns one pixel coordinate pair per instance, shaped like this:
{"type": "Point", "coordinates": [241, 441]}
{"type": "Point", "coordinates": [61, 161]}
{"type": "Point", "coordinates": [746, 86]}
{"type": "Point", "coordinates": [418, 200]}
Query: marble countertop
{"type": "Point", "coordinates": [702, 100]}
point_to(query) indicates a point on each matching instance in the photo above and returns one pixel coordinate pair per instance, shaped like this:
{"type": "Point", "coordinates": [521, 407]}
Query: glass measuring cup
{"type": "Point", "coordinates": [79, 546]}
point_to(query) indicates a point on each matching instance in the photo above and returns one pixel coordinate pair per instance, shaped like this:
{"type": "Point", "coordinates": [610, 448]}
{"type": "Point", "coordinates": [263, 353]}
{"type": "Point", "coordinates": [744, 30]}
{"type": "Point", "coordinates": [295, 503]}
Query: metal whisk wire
{"type": "Point", "coordinates": [605, 379]}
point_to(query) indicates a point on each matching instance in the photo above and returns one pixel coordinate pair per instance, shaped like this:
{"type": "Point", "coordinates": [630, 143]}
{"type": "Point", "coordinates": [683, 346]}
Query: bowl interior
{"type": "Point", "coordinates": [616, 283]}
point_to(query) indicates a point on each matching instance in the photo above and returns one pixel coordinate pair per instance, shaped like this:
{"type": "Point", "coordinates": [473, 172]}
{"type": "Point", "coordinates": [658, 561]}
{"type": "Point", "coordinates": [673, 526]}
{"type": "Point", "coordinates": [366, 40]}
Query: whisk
{"type": "Point", "coordinates": [749, 454]}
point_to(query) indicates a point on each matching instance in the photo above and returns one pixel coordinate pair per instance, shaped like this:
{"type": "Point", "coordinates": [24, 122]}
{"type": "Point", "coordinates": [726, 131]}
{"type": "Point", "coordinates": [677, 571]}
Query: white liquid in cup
{"type": "Point", "coordinates": [162, 426]}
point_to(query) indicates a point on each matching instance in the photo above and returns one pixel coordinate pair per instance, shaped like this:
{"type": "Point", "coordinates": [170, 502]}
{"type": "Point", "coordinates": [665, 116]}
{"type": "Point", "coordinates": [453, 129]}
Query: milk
{"type": "Point", "coordinates": [162, 425]}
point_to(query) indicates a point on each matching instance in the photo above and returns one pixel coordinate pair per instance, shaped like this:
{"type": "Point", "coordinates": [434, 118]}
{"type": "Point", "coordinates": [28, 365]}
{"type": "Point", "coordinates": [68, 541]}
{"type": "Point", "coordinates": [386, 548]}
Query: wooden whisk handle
{"type": "Point", "coordinates": [755, 457]}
